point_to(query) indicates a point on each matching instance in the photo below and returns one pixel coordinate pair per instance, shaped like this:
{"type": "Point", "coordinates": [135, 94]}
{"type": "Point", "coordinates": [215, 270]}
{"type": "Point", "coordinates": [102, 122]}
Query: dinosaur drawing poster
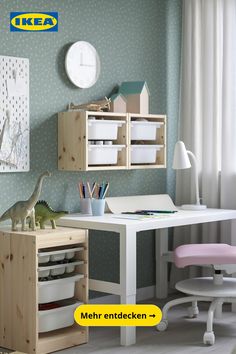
{"type": "Point", "coordinates": [14, 114]}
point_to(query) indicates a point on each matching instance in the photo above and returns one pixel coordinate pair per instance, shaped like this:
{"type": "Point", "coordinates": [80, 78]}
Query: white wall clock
{"type": "Point", "coordinates": [82, 64]}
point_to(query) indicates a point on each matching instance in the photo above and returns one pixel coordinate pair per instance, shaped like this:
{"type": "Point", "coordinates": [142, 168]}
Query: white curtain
{"type": "Point", "coordinates": [207, 123]}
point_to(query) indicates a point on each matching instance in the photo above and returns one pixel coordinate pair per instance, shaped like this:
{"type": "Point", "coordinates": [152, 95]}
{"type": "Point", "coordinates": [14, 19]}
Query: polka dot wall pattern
{"type": "Point", "coordinates": [130, 37]}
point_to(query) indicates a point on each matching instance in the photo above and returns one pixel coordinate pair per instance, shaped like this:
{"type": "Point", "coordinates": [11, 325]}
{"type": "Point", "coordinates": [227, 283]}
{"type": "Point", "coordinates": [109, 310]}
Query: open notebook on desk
{"type": "Point", "coordinates": [130, 204]}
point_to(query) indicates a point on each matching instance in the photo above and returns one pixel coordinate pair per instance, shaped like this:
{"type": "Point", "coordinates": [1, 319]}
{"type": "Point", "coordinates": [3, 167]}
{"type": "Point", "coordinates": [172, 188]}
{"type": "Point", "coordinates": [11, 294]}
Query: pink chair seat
{"type": "Point", "coordinates": [204, 253]}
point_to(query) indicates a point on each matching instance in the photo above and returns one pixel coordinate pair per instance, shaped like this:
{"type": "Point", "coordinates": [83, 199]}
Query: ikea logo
{"type": "Point", "coordinates": [34, 21]}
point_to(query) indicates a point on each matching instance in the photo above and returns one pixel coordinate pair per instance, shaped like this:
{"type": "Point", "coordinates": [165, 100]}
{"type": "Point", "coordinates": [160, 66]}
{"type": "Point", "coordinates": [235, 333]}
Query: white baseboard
{"type": "Point", "coordinates": [142, 294]}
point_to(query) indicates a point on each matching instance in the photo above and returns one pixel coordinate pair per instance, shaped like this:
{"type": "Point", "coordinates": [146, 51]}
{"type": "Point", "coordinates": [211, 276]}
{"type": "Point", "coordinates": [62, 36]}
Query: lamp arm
{"type": "Point", "coordinates": [195, 170]}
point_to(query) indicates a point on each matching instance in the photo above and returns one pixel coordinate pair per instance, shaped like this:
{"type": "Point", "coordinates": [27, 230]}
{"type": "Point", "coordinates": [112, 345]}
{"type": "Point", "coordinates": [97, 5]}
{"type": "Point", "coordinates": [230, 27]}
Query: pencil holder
{"type": "Point", "coordinates": [98, 207]}
{"type": "Point", "coordinates": [85, 206]}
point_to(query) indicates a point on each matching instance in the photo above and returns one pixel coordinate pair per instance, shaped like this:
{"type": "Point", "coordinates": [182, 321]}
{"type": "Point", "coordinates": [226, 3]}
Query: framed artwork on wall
{"type": "Point", "coordinates": [14, 114]}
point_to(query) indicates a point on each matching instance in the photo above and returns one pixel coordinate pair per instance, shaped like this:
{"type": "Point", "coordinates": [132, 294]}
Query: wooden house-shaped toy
{"type": "Point", "coordinates": [118, 103]}
{"type": "Point", "coordinates": [137, 96]}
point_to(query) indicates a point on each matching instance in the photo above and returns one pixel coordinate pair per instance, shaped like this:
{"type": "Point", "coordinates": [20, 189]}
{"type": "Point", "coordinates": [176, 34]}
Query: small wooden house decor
{"type": "Point", "coordinates": [137, 96]}
{"type": "Point", "coordinates": [118, 103]}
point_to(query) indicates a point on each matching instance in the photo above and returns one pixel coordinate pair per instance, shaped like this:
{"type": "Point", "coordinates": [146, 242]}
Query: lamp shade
{"type": "Point", "coordinates": [181, 159]}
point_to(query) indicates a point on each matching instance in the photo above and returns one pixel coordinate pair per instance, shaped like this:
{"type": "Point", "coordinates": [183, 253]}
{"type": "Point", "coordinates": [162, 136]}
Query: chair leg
{"type": "Point", "coordinates": [209, 336]}
{"type": "Point", "coordinates": [193, 310]}
{"type": "Point", "coordinates": [218, 311]}
{"type": "Point", "coordinates": [162, 326]}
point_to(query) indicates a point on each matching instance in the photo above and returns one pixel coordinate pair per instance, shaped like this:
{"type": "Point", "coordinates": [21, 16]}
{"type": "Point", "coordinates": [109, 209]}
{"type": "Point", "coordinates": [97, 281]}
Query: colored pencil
{"type": "Point", "coordinates": [98, 190]}
{"type": "Point", "coordinates": [89, 191]}
{"type": "Point", "coordinates": [93, 187]}
{"type": "Point", "coordinates": [105, 191]}
{"type": "Point", "coordinates": [83, 188]}
{"type": "Point", "coordinates": [80, 190]}
{"type": "Point", "coordinates": [103, 186]}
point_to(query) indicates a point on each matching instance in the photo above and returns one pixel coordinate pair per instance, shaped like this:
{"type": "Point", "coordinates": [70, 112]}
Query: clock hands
{"type": "Point", "coordinates": [81, 61]}
{"type": "Point", "coordinates": [87, 65]}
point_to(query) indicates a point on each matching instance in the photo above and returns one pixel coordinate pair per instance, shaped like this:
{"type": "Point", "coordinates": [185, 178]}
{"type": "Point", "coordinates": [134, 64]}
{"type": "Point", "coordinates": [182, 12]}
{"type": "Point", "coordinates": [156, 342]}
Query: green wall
{"type": "Point", "coordinates": [136, 40]}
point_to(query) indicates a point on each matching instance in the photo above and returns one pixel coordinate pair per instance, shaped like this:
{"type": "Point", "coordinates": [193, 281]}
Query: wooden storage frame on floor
{"type": "Point", "coordinates": [73, 141]}
{"type": "Point", "coordinates": [19, 290]}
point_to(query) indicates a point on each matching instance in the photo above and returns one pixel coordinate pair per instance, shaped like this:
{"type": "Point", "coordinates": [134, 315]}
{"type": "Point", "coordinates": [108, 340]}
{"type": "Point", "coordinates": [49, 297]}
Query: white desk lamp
{"type": "Point", "coordinates": [180, 162]}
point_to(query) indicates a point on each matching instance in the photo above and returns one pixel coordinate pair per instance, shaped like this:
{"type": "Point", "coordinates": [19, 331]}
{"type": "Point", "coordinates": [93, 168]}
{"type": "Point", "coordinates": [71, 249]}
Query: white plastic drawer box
{"type": "Point", "coordinates": [101, 129]}
{"type": "Point", "coordinates": [103, 154]}
{"type": "Point", "coordinates": [57, 269]}
{"type": "Point", "coordinates": [144, 130]}
{"type": "Point", "coordinates": [144, 153]}
{"type": "Point", "coordinates": [55, 255]}
{"type": "Point", "coordinates": [58, 289]}
{"type": "Point", "coordinates": [61, 317]}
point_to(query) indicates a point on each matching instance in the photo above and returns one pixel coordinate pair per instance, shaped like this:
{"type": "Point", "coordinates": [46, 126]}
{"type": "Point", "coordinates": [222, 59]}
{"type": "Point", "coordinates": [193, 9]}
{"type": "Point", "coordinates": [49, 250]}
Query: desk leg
{"type": "Point", "coordinates": [128, 280]}
{"type": "Point", "coordinates": [161, 241]}
{"type": "Point", "coordinates": [233, 243]}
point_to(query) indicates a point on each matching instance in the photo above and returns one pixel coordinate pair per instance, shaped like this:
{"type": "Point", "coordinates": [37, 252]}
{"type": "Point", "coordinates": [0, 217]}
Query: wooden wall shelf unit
{"type": "Point", "coordinates": [20, 284]}
{"type": "Point", "coordinates": [90, 141]}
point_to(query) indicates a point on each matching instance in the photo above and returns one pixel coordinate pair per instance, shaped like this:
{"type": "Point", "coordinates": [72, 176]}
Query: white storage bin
{"type": "Point", "coordinates": [61, 317]}
{"type": "Point", "coordinates": [57, 269]}
{"type": "Point", "coordinates": [70, 268]}
{"type": "Point", "coordinates": [101, 129]}
{"type": "Point", "coordinates": [44, 273]}
{"type": "Point", "coordinates": [43, 259]}
{"type": "Point", "coordinates": [144, 130]}
{"type": "Point", "coordinates": [54, 271]}
{"type": "Point", "coordinates": [144, 153]}
{"type": "Point", "coordinates": [104, 154]}
{"type": "Point", "coordinates": [58, 289]}
{"type": "Point", "coordinates": [70, 255]}
{"type": "Point", "coordinates": [55, 255]}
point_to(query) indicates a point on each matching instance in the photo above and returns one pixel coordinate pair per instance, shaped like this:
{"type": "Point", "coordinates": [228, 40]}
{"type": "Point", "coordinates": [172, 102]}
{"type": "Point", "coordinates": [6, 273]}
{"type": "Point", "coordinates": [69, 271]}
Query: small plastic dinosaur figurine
{"type": "Point", "coordinates": [25, 208]}
{"type": "Point", "coordinates": [43, 213]}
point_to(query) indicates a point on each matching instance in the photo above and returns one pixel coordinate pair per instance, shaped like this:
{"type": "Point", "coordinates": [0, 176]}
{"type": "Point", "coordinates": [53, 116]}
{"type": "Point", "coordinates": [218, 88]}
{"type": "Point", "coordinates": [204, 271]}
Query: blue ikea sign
{"type": "Point", "coordinates": [34, 21]}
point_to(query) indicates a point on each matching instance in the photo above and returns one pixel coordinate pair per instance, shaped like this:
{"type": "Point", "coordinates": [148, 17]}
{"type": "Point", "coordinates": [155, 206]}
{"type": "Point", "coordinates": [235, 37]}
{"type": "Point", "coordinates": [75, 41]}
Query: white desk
{"type": "Point", "coordinates": [127, 230]}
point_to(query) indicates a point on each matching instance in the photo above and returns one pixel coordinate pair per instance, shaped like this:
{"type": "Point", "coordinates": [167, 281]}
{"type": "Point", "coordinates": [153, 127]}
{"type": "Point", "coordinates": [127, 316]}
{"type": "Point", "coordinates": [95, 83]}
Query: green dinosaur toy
{"type": "Point", "coordinates": [43, 213]}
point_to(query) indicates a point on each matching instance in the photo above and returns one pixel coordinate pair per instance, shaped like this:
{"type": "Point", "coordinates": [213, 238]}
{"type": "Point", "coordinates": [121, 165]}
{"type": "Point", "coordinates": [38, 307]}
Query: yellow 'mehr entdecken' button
{"type": "Point", "coordinates": [118, 315]}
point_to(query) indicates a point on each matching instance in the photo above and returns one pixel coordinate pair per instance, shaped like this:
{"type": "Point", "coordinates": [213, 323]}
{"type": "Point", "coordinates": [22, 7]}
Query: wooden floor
{"type": "Point", "coordinates": [184, 336]}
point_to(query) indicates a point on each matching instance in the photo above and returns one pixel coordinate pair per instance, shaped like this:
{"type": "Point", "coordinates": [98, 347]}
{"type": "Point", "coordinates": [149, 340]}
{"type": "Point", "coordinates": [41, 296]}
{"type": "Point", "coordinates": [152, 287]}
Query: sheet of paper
{"type": "Point", "coordinates": [118, 205]}
{"type": "Point", "coordinates": [16, 88]}
{"type": "Point", "coordinates": [141, 217]}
